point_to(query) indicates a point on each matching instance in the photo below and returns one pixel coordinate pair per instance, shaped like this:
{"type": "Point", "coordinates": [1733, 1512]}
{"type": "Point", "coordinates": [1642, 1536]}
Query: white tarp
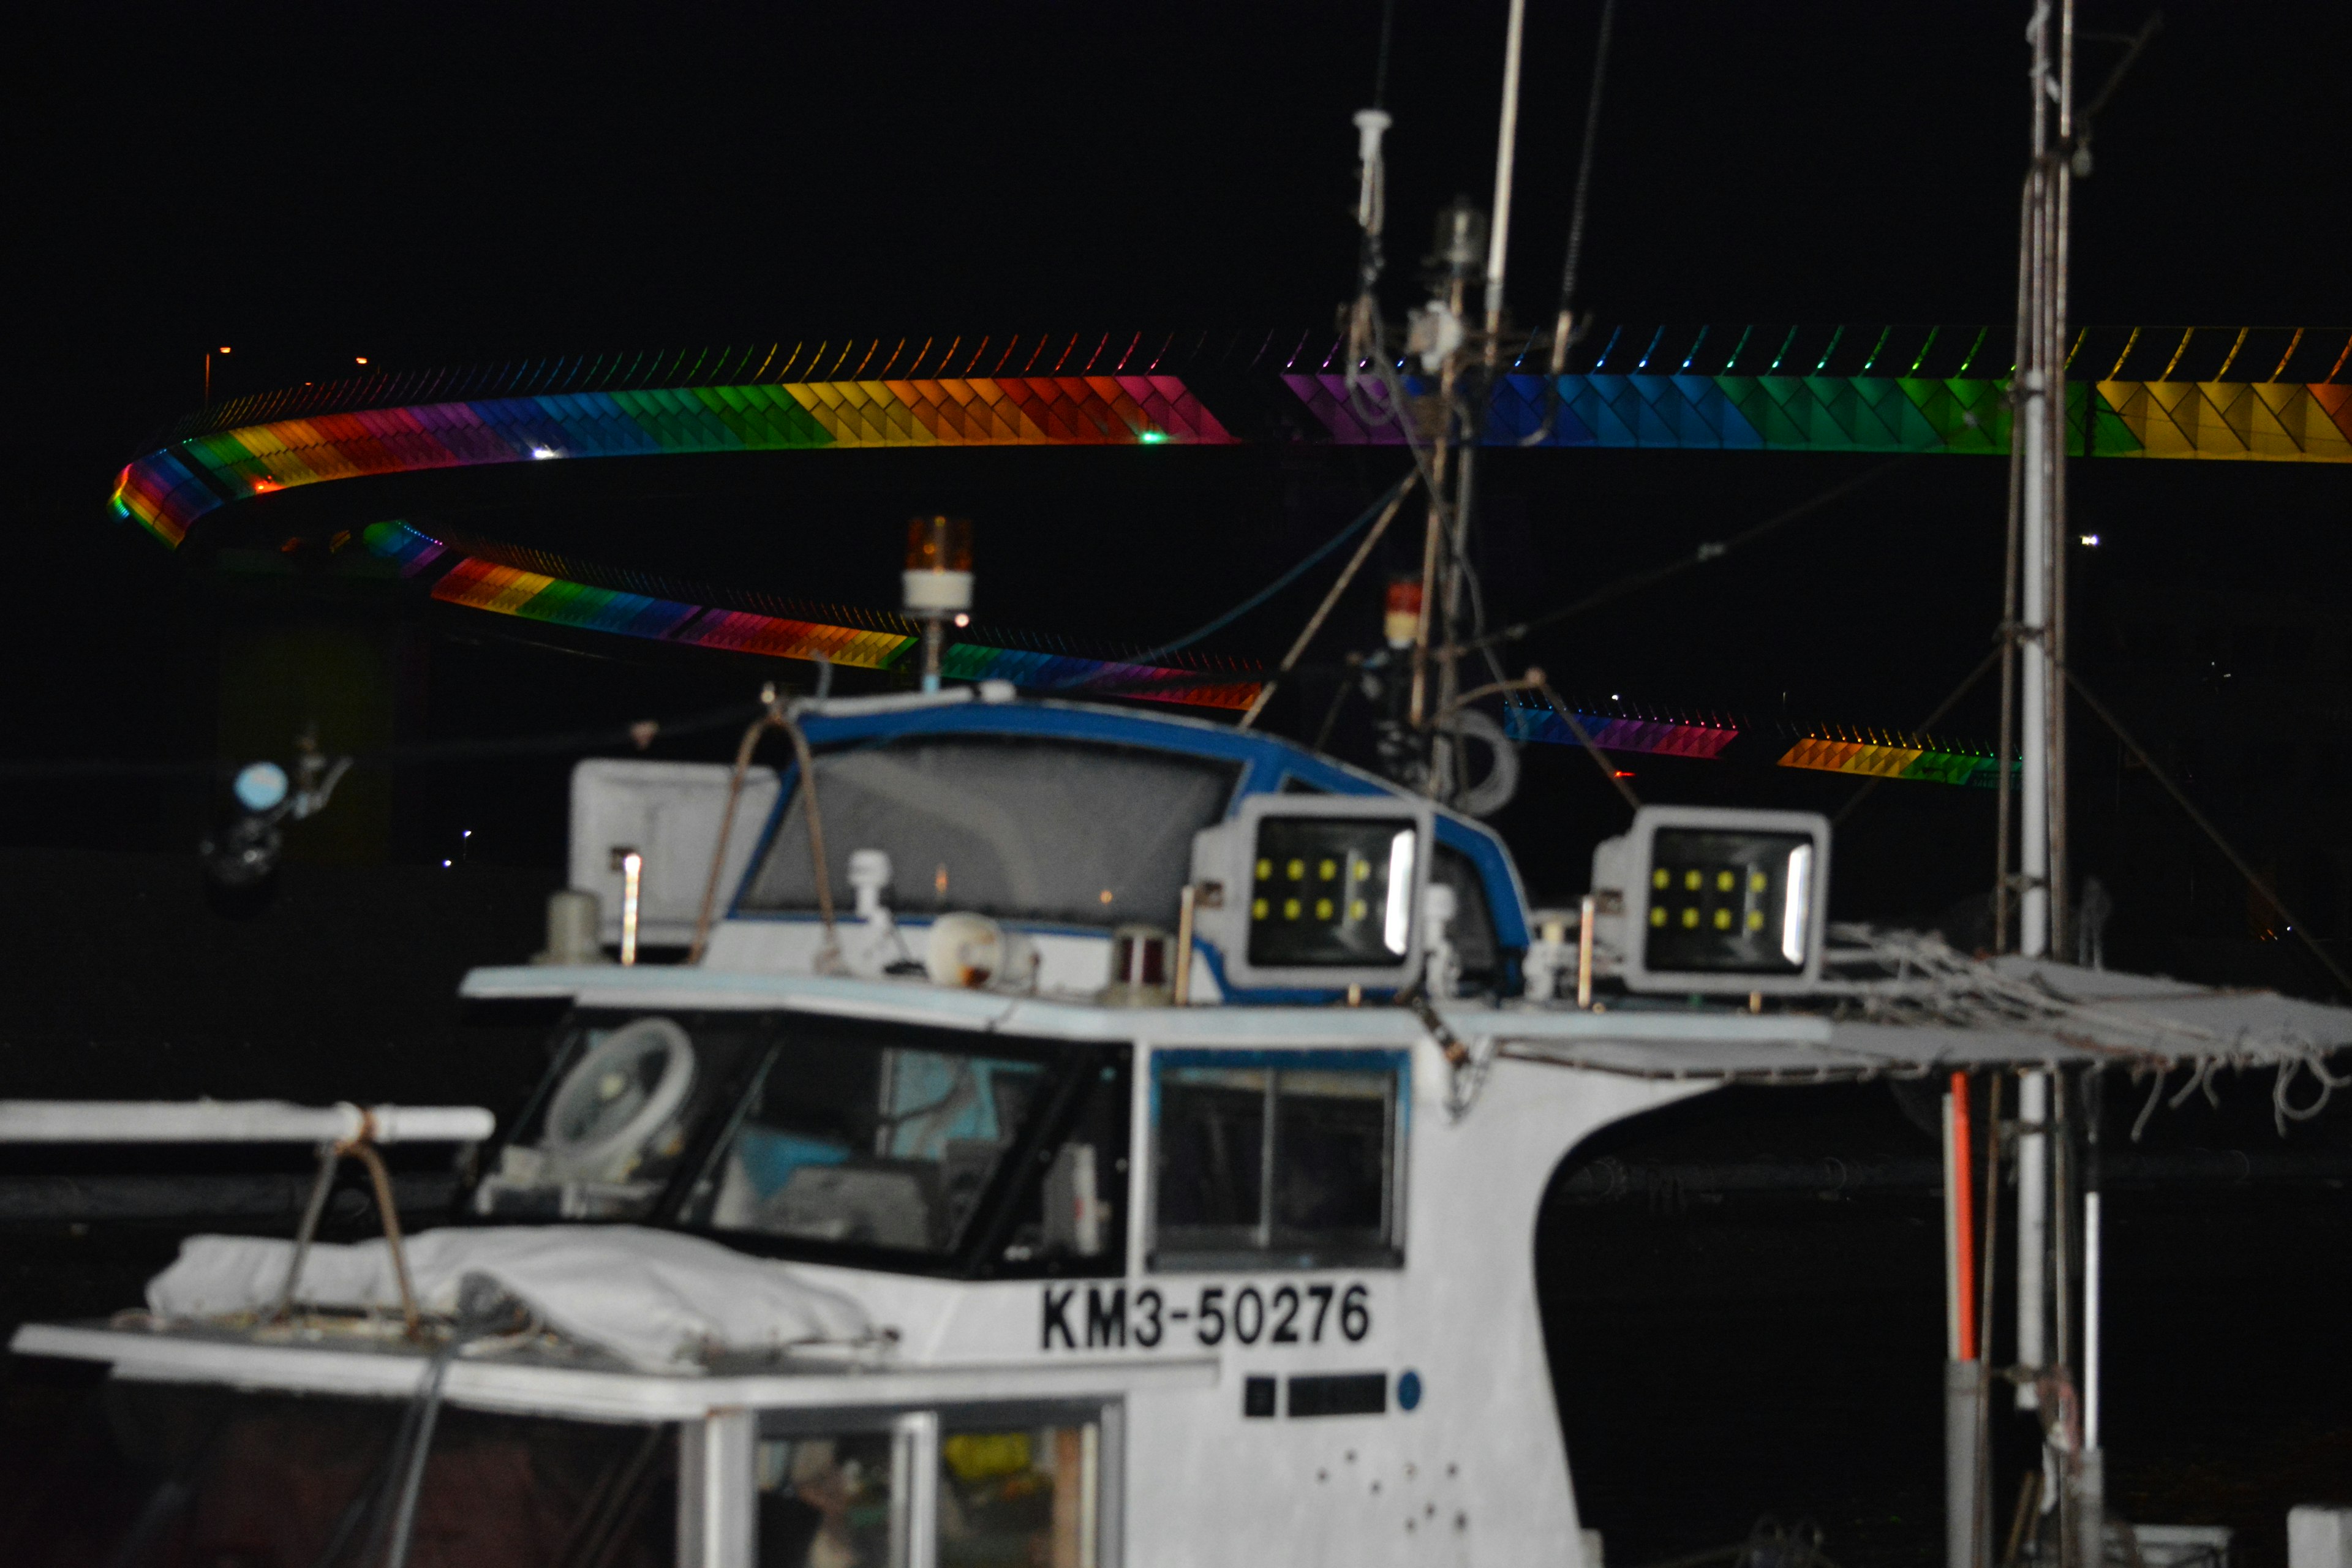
{"type": "Point", "coordinates": [660, 1301]}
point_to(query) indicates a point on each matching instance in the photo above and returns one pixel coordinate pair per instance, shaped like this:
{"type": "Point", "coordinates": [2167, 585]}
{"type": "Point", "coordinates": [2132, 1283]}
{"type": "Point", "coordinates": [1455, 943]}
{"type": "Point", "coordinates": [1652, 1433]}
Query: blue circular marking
{"type": "Point", "coordinates": [1409, 1391]}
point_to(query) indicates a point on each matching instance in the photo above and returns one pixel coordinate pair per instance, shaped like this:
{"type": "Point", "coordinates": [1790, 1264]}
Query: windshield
{"type": "Point", "coordinates": [1069, 832]}
{"type": "Point", "coordinates": [868, 1145]}
{"type": "Point", "coordinates": [618, 1114]}
{"type": "Point", "coordinates": [893, 1144]}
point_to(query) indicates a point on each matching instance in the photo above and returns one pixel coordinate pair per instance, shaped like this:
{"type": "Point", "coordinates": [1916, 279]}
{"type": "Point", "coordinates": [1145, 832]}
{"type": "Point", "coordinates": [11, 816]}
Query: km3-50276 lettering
{"type": "Point", "coordinates": [1105, 1317]}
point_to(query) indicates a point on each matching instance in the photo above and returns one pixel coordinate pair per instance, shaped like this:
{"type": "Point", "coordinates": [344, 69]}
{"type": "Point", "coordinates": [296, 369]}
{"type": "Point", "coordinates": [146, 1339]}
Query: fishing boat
{"type": "Point", "coordinates": [1140, 1166]}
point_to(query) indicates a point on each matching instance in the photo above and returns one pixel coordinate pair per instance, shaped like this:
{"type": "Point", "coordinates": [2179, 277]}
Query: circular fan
{"type": "Point", "coordinates": [624, 1091]}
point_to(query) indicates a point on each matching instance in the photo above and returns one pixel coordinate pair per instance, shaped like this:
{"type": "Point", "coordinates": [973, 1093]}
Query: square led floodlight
{"type": "Point", "coordinates": [1704, 899]}
{"type": "Point", "coordinates": [1315, 891]}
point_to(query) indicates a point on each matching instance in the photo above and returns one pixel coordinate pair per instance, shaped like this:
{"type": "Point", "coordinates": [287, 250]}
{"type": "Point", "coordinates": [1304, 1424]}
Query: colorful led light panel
{"type": "Point", "coordinates": [1658, 737]}
{"type": "Point", "coordinates": [1869, 414]}
{"type": "Point", "coordinates": [507, 590]}
{"type": "Point", "coordinates": [2169, 393]}
{"type": "Point", "coordinates": [166, 491]}
{"type": "Point", "coordinates": [1874, 759]}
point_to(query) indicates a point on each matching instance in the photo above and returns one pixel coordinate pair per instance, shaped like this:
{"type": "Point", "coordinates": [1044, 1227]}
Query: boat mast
{"type": "Point", "coordinates": [2038, 436]}
{"type": "Point", "coordinates": [2034, 629]}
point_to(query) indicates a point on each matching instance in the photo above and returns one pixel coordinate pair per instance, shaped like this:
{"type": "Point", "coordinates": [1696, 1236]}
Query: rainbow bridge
{"type": "Point", "coordinates": [2243, 393]}
{"type": "Point", "coordinates": [2264, 394]}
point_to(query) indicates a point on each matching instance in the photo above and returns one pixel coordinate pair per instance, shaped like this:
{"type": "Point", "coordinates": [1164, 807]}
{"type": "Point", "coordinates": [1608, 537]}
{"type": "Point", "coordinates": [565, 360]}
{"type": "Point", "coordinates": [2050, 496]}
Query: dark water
{"type": "Point", "coordinates": [1780, 1354]}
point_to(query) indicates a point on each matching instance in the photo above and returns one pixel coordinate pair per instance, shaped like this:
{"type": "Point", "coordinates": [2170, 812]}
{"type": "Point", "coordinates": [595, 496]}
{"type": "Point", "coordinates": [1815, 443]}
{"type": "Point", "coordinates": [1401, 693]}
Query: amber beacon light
{"type": "Point", "coordinates": [938, 581]}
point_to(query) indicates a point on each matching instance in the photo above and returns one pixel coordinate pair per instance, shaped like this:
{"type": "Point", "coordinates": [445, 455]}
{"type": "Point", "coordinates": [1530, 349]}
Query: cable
{"type": "Point", "coordinates": [387, 1500]}
{"type": "Point", "coordinates": [1578, 204]}
{"type": "Point", "coordinates": [1930, 722]}
{"type": "Point", "coordinates": [1364, 519]}
{"type": "Point", "coordinates": [2228, 851]}
{"type": "Point", "coordinates": [1591, 748]}
{"type": "Point", "coordinates": [1330, 599]}
{"type": "Point", "coordinates": [1712, 549]}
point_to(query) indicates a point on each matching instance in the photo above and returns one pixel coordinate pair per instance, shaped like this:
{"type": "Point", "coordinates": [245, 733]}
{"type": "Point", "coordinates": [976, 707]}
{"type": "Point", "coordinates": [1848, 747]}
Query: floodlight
{"type": "Point", "coordinates": [1315, 891]}
{"type": "Point", "coordinates": [1706, 898]}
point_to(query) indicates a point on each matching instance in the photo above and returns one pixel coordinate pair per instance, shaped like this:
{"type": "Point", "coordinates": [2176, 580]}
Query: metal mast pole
{"type": "Point", "coordinates": [1455, 543]}
{"type": "Point", "coordinates": [2032, 425]}
{"type": "Point", "coordinates": [2038, 428]}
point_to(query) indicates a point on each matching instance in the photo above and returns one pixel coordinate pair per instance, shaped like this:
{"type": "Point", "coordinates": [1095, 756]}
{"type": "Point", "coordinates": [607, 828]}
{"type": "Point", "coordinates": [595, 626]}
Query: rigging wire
{"type": "Point", "coordinates": [2205, 825]}
{"type": "Point", "coordinates": [1712, 550]}
{"type": "Point", "coordinates": [1564, 332]}
{"type": "Point", "coordinates": [1923, 726]}
{"type": "Point", "coordinates": [1581, 203]}
{"type": "Point", "coordinates": [1363, 519]}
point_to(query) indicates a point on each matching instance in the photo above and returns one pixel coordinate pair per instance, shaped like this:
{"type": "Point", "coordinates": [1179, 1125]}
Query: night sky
{"type": "Point", "coordinates": [429, 187]}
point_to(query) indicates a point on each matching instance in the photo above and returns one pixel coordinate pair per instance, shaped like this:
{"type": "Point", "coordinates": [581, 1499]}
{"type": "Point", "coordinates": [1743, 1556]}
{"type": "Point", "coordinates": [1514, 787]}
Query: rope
{"type": "Point", "coordinates": [1922, 980]}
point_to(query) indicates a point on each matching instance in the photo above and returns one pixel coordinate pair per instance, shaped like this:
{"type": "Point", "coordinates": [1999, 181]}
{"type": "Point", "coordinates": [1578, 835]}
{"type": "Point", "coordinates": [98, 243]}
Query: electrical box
{"type": "Point", "coordinates": [1317, 893]}
{"type": "Point", "coordinates": [668, 813]}
{"type": "Point", "coordinates": [1713, 899]}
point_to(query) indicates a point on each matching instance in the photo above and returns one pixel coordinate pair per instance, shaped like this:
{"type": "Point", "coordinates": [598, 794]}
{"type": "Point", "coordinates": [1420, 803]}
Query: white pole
{"type": "Point", "coordinates": [235, 1121]}
{"type": "Point", "coordinates": [2032, 1230]}
{"type": "Point", "coordinates": [915, 1489]}
{"type": "Point", "coordinates": [2091, 1320]}
{"type": "Point", "coordinates": [717, 1490]}
{"type": "Point", "coordinates": [1507, 143]}
{"type": "Point", "coordinates": [2034, 617]}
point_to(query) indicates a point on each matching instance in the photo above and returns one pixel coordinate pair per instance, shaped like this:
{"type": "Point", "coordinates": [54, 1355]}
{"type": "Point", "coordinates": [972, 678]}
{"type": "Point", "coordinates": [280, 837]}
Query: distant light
{"type": "Point", "coordinates": [542, 451]}
{"type": "Point", "coordinates": [963, 620]}
{"type": "Point", "coordinates": [445, 865]}
{"type": "Point", "coordinates": [465, 833]}
{"type": "Point", "coordinates": [224, 348]}
{"type": "Point", "coordinates": [1153, 437]}
{"type": "Point", "coordinates": [1623, 774]}
{"type": "Point", "coordinates": [361, 359]}
{"type": "Point", "coordinates": [2090, 538]}
{"type": "Point", "coordinates": [260, 786]}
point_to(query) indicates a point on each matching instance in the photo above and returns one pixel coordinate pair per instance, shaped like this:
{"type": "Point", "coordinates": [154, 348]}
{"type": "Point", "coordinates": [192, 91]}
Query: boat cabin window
{"type": "Point", "coordinates": [1017, 828]}
{"type": "Point", "coordinates": [868, 1144]}
{"type": "Point", "coordinates": [1016, 1488]}
{"type": "Point", "coordinates": [882, 1145]}
{"type": "Point", "coordinates": [1279, 1160]}
{"type": "Point", "coordinates": [617, 1113]}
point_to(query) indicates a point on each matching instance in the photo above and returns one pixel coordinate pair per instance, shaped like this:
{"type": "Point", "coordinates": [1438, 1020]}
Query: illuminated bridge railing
{"type": "Point", "coordinates": [474, 575]}
{"type": "Point", "coordinates": [2262, 393]}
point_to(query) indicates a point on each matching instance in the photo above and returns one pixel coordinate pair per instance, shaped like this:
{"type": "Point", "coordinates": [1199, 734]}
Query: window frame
{"type": "Point", "coordinates": [918, 1432]}
{"type": "Point", "coordinates": [1389, 1253]}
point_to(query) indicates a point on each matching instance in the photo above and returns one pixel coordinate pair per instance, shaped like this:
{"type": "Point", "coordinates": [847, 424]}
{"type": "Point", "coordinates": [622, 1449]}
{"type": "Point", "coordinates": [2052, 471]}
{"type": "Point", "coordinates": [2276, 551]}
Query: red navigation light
{"type": "Point", "coordinates": [1402, 622]}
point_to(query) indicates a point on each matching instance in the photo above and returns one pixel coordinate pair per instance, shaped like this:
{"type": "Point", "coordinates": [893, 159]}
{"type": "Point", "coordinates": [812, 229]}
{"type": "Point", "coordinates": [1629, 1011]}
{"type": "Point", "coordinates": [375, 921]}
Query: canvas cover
{"type": "Point", "coordinates": [656, 1299]}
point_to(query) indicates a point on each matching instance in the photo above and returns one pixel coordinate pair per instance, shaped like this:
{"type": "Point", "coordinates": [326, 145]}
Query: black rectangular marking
{"type": "Point", "coordinates": [1257, 1397]}
{"type": "Point", "coordinates": [1340, 1394]}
